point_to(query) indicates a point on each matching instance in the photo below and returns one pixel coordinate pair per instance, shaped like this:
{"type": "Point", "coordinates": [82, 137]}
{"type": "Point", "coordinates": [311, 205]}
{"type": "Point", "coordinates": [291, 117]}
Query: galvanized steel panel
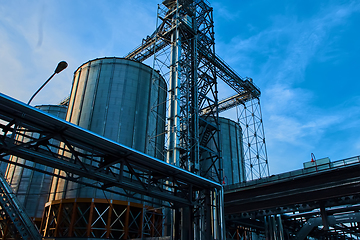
{"type": "Point", "coordinates": [32, 187]}
{"type": "Point", "coordinates": [231, 146]}
{"type": "Point", "coordinates": [114, 97]}
{"type": "Point", "coordinates": [232, 151]}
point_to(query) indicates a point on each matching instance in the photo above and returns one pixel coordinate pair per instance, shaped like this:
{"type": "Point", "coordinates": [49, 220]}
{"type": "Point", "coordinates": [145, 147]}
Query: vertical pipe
{"type": "Point", "coordinates": [324, 216]}
{"type": "Point", "coordinates": [266, 223]}
{"type": "Point", "coordinates": [213, 217]}
{"type": "Point", "coordinates": [270, 228]}
{"type": "Point", "coordinates": [173, 153]}
{"type": "Point", "coordinates": [274, 227]}
{"type": "Point", "coordinates": [280, 228]}
{"type": "Point", "coordinates": [221, 214]}
{"type": "Point", "coordinates": [194, 157]}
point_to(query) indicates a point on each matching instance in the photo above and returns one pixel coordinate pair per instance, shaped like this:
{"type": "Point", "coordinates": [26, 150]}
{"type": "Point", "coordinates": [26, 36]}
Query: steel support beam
{"type": "Point", "coordinates": [332, 183]}
{"type": "Point", "coordinates": [143, 174]}
{"type": "Point", "coordinates": [198, 70]}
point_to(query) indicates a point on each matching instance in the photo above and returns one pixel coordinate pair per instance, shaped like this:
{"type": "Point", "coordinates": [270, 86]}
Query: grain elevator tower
{"type": "Point", "coordinates": [183, 49]}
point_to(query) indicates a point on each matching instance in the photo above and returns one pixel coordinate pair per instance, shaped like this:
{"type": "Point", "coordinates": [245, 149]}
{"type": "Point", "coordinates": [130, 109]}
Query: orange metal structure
{"type": "Point", "coordinates": [100, 218]}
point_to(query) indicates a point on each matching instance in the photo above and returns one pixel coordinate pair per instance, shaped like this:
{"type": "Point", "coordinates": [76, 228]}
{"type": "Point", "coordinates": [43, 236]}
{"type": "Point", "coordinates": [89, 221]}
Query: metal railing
{"type": "Point", "coordinates": [300, 172]}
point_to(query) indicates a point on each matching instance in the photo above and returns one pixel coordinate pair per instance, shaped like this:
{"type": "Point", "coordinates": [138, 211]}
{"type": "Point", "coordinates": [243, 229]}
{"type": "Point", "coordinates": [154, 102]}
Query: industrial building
{"type": "Point", "coordinates": [141, 152]}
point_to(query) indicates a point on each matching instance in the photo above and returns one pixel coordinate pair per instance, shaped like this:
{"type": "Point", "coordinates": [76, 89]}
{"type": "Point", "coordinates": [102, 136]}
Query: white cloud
{"type": "Point", "coordinates": [284, 98]}
{"type": "Point", "coordinates": [287, 46]}
{"type": "Point", "coordinates": [225, 12]}
{"type": "Point", "coordinates": [36, 36]}
{"type": "Point", "coordinates": [277, 59]}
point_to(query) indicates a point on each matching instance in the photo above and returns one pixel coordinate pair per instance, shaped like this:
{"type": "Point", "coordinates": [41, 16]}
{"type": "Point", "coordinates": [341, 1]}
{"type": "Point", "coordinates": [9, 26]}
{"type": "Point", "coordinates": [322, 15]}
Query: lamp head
{"type": "Point", "coordinates": [61, 66]}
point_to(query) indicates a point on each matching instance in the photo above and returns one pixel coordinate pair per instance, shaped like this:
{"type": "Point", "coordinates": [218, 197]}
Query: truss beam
{"type": "Point", "coordinates": [243, 86]}
{"type": "Point", "coordinates": [141, 173]}
{"type": "Point", "coordinates": [229, 103]}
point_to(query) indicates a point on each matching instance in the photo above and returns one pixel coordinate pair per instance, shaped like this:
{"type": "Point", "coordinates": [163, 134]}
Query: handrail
{"type": "Point", "coordinates": [300, 172]}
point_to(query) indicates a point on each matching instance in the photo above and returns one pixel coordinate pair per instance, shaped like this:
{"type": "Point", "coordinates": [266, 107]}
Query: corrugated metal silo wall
{"type": "Point", "coordinates": [32, 187]}
{"type": "Point", "coordinates": [232, 151]}
{"type": "Point", "coordinates": [121, 100]}
{"type": "Point", "coordinates": [231, 145]}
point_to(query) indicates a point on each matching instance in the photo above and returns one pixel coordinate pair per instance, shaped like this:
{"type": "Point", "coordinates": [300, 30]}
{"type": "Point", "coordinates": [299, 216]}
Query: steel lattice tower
{"type": "Point", "coordinates": [183, 49]}
{"type": "Point", "coordinates": [250, 118]}
{"type": "Point", "coordinates": [183, 46]}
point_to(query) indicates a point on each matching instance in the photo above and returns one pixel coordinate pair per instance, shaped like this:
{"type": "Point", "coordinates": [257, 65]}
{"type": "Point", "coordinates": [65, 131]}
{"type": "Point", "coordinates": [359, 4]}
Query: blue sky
{"type": "Point", "coordinates": [304, 56]}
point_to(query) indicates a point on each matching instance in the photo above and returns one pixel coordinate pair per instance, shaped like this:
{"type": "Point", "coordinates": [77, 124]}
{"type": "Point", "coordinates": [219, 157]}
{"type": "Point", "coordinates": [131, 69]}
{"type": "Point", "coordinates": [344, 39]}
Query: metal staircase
{"type": "Point", "coordinates": [14, 219]}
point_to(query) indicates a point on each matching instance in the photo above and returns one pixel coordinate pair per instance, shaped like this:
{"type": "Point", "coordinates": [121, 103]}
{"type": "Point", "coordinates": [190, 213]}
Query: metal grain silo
{"type": "Point", "coordinates": [32, 187]}
{"type": "Point", "coordinates": [232, 151]}
{"type": "Point", "coordinates": [122, 100]}
{"type": "Point", "coordinates": [231, 145]}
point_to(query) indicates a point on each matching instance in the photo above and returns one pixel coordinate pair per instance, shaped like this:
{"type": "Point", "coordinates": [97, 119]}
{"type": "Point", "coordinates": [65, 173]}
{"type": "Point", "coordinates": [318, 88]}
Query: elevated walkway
{"type": "Point", "coordinates": [323, 182]}
{"type": "Point", "coordinates": [323, 199]}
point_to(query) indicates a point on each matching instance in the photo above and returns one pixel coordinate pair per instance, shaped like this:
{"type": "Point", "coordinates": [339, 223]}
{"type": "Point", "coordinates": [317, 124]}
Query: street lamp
{"type": "Point", "coordinates": [61, 66]}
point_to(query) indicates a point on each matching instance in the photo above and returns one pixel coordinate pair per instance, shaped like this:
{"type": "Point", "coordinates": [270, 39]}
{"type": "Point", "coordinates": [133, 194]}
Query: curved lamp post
{"type": "Point", "coordinates": [61, 66]}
